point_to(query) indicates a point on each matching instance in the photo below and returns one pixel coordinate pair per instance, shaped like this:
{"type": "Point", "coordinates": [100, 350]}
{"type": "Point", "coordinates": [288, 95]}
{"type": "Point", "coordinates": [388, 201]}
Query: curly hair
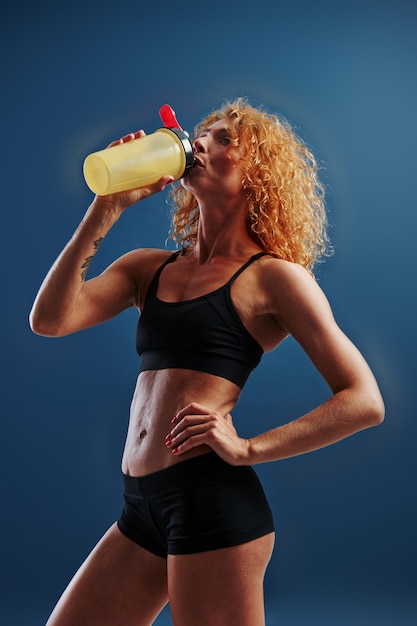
{"type": "Point", "coordinates": [286, 212]}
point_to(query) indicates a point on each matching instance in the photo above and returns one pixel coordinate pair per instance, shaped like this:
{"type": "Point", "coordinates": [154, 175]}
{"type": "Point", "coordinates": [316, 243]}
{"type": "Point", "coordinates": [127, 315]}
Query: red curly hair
{"type": "Point", "coordinates": [286, 212]}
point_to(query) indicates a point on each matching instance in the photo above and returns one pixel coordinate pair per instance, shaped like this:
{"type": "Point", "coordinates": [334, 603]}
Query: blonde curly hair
{"type": "Point", "coordinates": [286, 213]}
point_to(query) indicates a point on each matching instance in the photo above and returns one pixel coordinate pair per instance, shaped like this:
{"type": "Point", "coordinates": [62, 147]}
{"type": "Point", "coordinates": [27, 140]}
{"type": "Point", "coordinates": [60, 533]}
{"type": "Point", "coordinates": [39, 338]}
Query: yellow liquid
{"type": "Point", "coordinates": [136, 163]}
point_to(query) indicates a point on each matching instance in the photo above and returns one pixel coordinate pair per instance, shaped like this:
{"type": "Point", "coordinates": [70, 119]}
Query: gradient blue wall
{"type": "Point", "coordinates": [76, 78]}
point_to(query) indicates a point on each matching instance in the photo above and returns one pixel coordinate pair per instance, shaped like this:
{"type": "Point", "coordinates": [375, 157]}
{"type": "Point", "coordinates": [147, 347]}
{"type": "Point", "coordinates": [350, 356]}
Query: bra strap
{"type": "Point", "coordinates": [253, 258]}
{"type": "Point", "coordinates": [155, 279]}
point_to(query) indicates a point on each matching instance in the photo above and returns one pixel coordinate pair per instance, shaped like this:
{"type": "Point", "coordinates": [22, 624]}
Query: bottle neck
{"type": "Point", "coordinates": [187, 146]}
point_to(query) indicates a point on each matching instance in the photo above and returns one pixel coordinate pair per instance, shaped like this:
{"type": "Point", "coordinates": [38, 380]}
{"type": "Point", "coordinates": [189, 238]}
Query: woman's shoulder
{"type": "Point", "coordinates": [290, 287]}
{"type": "Point", "coordinates": [141, 265]}
{"type": "Point", "coordinates": [144, 259]}
{"type": "Point", "coordinates": [285, 273]}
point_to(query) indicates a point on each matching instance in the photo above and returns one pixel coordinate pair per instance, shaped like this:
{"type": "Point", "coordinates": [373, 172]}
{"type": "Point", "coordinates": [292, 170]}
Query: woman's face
{"type": "Point", "coordinates": [217, 166]}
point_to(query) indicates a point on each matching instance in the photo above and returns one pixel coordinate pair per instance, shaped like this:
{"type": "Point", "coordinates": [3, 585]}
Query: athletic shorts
{"type": "Point", "coordinates": [197, 505]}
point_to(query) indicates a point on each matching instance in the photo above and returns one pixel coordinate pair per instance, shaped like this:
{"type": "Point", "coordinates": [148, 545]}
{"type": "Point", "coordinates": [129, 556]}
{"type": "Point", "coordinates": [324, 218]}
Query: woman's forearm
{"type": "Point", "coordinates": [63, 284]}
{"type": "Point", "coordinates": [346, 413]}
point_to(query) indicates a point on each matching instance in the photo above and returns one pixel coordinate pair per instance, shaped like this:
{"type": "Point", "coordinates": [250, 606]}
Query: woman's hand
{"type": "Point", "coordinates": [124, 199]}
{"type": "Point", "coordinates": [196, 425]}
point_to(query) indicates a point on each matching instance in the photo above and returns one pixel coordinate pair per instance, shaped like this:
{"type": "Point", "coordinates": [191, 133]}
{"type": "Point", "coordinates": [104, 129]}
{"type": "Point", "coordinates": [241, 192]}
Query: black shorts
{"type": "Point", "coordinates": [197, 505]}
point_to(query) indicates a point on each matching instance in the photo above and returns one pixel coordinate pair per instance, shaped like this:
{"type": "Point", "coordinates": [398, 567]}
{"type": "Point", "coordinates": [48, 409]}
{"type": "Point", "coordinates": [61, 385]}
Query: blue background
{"type": "Point", "coordinates": [75, 78]}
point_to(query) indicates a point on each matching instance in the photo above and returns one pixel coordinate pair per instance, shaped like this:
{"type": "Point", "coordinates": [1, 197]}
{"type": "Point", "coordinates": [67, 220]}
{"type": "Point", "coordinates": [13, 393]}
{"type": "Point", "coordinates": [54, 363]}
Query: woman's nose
{"type": "Point", "coordinates": [198, 145]}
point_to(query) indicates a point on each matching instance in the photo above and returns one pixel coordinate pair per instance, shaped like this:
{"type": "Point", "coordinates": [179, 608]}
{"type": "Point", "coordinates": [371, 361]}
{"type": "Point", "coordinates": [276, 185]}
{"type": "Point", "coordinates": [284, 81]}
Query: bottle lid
{"type": "Point", "coordinates": [167, 115]}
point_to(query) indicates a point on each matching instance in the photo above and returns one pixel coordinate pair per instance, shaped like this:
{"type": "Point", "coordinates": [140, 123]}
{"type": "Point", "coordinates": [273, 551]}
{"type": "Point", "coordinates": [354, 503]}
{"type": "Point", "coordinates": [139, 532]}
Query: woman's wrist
{"type": "Point", "coordinates": [106, 208]}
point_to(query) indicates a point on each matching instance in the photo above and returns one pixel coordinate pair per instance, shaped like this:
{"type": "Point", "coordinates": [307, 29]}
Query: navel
{"type": "Point", "coordinates": [142, 433]}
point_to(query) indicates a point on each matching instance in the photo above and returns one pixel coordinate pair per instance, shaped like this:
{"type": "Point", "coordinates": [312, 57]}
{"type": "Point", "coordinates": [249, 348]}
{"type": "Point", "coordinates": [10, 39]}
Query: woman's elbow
{"type": "Point", "coordinates": [374, 409]}
{"type": "Point", "coordinates": [40, 326]}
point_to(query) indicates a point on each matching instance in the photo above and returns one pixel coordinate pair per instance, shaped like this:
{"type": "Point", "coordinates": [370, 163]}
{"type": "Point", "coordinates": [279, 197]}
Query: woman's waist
{"type": "Point", "coordinates": [160, 395]}
{"type": "Point", "coordinates": [150, 459]}
{"type": "Point", "coordinates": [146, 451]}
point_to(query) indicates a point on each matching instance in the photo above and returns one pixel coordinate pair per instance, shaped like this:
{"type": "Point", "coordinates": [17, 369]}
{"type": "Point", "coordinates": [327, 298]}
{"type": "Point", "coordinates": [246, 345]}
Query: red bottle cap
{"type": "Point", "coordinates": [167, 115]}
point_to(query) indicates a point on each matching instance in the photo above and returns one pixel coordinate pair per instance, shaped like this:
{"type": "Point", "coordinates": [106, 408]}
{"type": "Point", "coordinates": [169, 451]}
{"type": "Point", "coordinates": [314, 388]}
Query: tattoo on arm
{"type": "Point", "coordinates": [87, 262]}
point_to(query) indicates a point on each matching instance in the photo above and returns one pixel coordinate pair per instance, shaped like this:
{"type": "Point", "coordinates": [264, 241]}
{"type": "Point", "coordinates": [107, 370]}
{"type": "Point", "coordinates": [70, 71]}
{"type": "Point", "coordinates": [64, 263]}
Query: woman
{"type": "Point", "coordinates": [196, 529]}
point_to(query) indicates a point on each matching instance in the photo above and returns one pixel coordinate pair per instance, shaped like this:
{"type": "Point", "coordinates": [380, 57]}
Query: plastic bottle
{"type": "Point", "coordinates": [143, 161]}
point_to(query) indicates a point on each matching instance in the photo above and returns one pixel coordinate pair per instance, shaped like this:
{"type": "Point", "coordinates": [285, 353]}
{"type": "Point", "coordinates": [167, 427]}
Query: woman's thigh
{"type": "Point", "coordinates": [120, 583]}
{"type": "Point", "coordinates": [220, 587]}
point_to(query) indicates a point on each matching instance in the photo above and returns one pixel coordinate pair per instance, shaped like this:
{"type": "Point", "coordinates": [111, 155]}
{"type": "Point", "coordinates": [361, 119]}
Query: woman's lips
{"type": "Point", "coordinates": [198, 162]}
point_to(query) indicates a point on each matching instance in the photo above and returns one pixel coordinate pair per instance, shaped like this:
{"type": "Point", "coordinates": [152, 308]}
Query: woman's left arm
{"type": "Point", "coordinates": [356, 403]}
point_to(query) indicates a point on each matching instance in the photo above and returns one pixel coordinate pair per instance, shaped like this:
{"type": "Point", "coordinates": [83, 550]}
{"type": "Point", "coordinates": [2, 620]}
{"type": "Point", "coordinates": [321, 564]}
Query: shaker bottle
{"type": "Point", "coordinates": [142, 161]}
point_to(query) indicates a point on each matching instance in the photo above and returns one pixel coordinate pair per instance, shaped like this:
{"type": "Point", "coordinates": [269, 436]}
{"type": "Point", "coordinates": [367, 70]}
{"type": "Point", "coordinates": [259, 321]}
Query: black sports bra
{"type": "Point", "coordinates": [203, 334]}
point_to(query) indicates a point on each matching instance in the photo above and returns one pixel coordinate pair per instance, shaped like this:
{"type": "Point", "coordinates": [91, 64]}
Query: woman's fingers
{"type": "Point", "coordinates": [196, 425]}
{"type": "Point", "coordinates": [129, 137]}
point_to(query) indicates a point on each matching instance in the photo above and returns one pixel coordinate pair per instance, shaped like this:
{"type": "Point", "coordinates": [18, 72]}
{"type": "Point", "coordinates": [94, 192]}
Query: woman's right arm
{"type": "Point", "coordinates": [66, 301]}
